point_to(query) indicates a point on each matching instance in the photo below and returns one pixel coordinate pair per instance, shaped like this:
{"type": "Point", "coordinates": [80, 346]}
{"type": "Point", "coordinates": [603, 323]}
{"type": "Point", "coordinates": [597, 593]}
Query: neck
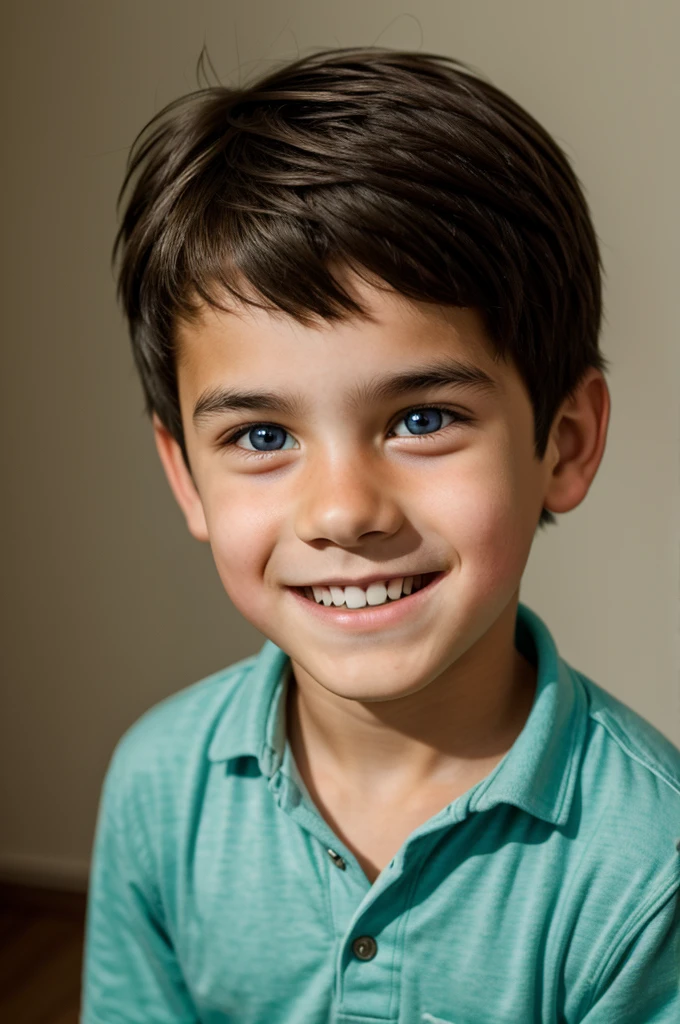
{"type": "Point", "coordinates": [462, 722]}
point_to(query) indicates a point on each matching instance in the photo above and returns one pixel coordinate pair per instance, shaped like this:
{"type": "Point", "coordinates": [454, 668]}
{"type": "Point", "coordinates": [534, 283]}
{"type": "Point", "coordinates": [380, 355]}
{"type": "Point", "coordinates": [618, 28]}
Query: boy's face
{"type": "Point", "coordinates": [357, 483]}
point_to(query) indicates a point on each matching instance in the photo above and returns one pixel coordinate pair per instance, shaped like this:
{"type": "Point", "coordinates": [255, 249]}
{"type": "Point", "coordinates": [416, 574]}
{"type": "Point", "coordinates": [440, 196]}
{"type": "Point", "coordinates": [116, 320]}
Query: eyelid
{"type": "Point", "coordinates": [234, 435]}
{"type": "Point", "coordinates": [458, 414]}
{"type": "Point", "coordinates": [237, 433]}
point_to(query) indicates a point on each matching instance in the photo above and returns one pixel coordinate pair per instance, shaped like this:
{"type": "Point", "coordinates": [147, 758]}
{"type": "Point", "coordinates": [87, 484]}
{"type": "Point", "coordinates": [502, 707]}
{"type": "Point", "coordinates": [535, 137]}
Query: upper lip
{"type": "Point", "coordinates": [364, 581]}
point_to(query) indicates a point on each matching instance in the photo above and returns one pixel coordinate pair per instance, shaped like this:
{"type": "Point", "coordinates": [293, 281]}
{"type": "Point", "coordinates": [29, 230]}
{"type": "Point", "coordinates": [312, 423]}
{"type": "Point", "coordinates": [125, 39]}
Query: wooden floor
{"type": "Point", "coordinates": [41, 949]}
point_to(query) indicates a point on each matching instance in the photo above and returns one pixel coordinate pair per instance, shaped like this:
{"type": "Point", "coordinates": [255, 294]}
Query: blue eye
{"type": "Point", "coordinates": [265, 437]}
{"type": "Point", "coordinates": [425, 421]}
{"type": "Point", "coordinates": [260, 439]}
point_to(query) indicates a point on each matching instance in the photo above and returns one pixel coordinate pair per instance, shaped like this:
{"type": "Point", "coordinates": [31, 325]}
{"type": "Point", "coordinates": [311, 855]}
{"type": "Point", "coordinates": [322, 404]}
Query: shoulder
{"type": "Point", "coordinates": [630, 792]}
{"type": "Point", "coordinates": [176, 732]}
{"type": "Point", "coordinates": [631, 739]}
{"type": "Point", "coordinates": [625, 825]}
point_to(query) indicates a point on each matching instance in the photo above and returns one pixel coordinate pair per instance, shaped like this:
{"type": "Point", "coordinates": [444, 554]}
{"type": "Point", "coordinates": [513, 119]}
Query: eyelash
{"type": "Point", "coordinates": [230, 440]}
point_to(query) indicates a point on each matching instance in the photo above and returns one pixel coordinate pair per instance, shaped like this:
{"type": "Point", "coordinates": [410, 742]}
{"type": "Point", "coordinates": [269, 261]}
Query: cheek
{"type": "Point", "coordinates": [243, 530]}
{"type": "Point", "coordinates": [485, 512]}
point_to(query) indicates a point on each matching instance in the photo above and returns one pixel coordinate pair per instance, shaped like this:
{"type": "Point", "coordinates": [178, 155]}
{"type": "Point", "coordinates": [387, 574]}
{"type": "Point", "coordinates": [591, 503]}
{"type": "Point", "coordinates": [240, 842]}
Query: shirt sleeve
{"type": "Point", "coordinates": [643, 985]}
{"type": "Point", "coordinates": [130, 970]}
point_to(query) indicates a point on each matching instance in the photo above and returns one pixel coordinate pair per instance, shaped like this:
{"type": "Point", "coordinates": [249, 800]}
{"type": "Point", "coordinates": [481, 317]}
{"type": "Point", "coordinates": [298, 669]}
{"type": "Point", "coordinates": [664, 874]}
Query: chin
{"type": "Point", "coordinates": [367, 678]}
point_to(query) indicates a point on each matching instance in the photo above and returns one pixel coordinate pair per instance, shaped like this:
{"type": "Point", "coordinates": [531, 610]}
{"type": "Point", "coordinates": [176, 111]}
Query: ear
{"type": "Point", "coordinates": [180, 480]}
{"type": "Point", "coordinates": [577, 443]}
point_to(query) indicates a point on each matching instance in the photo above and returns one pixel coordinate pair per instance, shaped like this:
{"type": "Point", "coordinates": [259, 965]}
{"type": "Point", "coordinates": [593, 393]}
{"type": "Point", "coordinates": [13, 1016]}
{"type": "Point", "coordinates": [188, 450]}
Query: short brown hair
{"type": "Point", "coordinates": [409, 166]}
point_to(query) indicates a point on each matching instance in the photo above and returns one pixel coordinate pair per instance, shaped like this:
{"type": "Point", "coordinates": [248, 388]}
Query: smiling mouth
{"type": "Point", "coordinates": [352, 598]}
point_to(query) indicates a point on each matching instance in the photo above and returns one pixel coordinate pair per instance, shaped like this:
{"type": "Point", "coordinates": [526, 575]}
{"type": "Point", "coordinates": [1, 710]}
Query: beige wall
{"type": "Point", "coordinates": [108, 603]}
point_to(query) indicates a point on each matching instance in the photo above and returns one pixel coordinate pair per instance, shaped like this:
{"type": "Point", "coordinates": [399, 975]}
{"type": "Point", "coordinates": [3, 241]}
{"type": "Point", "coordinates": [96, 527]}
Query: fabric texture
{"type": "Point", "coordinates": [548, 893]}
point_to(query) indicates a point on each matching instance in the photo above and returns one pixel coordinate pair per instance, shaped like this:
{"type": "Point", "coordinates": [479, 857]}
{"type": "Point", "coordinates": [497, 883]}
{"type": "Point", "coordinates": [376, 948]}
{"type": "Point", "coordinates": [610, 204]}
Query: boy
{"type": "Point", "coordinates": [364, 301]}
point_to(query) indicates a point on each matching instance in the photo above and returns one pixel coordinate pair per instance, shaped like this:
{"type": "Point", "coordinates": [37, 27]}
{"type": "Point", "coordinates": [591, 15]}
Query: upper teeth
{"type": "Point", "coordinates": [357, 597]}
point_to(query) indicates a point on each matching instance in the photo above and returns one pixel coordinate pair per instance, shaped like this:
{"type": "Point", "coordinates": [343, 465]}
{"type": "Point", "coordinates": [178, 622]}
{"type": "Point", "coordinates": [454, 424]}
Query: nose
{"type": "Point", "coordinates": [343, 498]}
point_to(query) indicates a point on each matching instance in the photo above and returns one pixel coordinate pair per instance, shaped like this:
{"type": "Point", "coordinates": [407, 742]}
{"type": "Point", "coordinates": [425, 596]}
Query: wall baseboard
{"type": "Point", "coordinates": [30, 899]}
{"type": "Point", "coordinates": [45, 872]}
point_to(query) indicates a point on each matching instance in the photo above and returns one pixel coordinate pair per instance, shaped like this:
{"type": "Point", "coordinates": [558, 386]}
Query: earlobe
{"type": "Point", "coordinates": [180, 480]}
{"type": "Point", "coordinates": [579, 438]}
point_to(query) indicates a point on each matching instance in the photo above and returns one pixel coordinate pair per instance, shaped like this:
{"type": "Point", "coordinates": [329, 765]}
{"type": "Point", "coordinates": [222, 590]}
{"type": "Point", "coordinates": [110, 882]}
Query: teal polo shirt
{"type": "Point", "coordinates": [548, 892]}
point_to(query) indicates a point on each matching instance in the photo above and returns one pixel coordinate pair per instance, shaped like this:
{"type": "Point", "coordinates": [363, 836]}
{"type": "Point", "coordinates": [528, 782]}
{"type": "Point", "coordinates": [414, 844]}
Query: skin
{"type": "Point", "coordinates": [431, 704]}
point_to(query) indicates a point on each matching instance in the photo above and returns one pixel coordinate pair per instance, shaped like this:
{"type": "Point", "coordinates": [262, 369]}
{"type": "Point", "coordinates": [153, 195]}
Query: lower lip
{"type": "Point", "coordinates": [372, 616]}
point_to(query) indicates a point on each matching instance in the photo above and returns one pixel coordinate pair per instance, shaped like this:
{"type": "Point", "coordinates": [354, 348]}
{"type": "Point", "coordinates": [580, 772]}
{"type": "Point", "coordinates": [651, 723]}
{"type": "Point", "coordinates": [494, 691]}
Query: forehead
{"type": "Point", "coordinates": [252, 347]}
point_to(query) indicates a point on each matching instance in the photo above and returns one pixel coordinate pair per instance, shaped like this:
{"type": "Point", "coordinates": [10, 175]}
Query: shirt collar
{"type": "Point", "coordinates": [538, 773]}
{"type": "Point", "coordinates": [254, 722]}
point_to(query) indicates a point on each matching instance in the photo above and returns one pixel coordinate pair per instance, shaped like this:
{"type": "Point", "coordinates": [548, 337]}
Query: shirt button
{"type": "Point", "coordinates": [337, 859]}
{"type": "Point", "coordinates": [365, 947]}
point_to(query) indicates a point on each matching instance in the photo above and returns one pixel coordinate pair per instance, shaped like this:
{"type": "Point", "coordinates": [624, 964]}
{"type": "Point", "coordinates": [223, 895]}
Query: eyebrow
{"type": "Point", "coordinates": [450, 373]}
